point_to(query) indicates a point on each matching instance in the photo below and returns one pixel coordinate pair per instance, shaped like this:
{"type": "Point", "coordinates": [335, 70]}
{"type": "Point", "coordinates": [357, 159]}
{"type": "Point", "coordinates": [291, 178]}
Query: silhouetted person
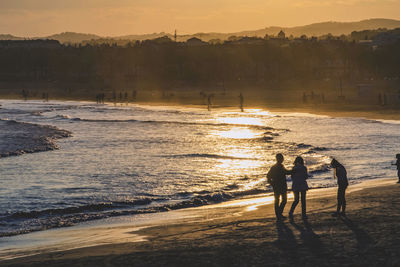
{"type": "Point", "coordinates": [299, 186]}
{"type": "Point", "coordinates": [341, 175]}
{"type": "Point", "coordinates": [277, 179]}
{"type": "Point", "coordinates": [114, 97]}
{"type": "Point", "coordinates": [398, 166]}
{"type": "Point", "coordinates": [209, 102]}
{"type": "Point", "coordinates": [241, 99]}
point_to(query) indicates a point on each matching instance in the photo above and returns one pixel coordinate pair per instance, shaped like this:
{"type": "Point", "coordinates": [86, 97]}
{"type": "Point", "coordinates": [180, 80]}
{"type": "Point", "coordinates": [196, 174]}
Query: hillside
{"type": "Point", "coordinates": [9, 37]}
{"type": "Point", "coordinates": [72, 37]}
{"type": "Point", "coordinates": [315, 29]}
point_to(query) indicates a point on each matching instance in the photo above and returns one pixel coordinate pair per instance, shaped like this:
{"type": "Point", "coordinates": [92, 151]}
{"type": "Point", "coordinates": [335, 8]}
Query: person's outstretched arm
{"type": "Point", "coordinates": [287, 172]}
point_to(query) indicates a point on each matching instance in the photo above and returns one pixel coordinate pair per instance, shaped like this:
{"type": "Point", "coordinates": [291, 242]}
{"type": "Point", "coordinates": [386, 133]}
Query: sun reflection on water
{"type": "Point", "coordinates": [241, 120]}
{"type": "Point", "coordinates": [243, 155]}
{"type": "Point", "coordinates": [238, 133]}
{"type": "Point", "coordinates": [231, 165]}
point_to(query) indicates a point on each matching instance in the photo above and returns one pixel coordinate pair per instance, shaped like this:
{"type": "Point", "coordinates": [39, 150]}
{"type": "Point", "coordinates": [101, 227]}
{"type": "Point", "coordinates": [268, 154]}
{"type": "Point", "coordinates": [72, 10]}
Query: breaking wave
{"type": "Point", "coordinates": [269, 130]}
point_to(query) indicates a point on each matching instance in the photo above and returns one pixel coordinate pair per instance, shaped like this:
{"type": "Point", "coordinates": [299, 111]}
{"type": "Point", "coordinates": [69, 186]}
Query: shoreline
{"type": "Point", "coordinates": [328, 110]}
{"type": "Point", "coordinates": [158, 237]}
{"type": "Point", "coordinates": [332, 110]}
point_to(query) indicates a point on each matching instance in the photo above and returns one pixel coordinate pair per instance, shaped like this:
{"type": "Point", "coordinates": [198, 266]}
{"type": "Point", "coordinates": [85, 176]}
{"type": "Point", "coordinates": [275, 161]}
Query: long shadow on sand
{"type": "Point", "coordinates": [363, 239]}
{"type": "Point", "coordinates": [286, 240]}
{"type": "Point", "coordinates": [310, 239]}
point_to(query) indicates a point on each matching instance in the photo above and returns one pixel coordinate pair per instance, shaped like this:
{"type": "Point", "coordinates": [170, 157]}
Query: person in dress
{"type": "Point", "coordinates": [299, 187]}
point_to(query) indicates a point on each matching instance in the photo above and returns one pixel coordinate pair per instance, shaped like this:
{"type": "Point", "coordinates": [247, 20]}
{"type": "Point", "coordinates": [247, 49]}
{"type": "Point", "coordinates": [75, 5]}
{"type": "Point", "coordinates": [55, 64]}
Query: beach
{"type": "Point", "coordinates": [151, 185]}
{"type": "Point", "coordinates": [142, 133]}
{"type": "Point", "coordinates": [249, 235]}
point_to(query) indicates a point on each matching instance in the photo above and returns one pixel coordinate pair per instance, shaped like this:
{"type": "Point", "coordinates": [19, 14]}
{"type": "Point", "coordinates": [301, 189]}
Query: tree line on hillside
{"type": "Point", "coordinates": [170, 64]}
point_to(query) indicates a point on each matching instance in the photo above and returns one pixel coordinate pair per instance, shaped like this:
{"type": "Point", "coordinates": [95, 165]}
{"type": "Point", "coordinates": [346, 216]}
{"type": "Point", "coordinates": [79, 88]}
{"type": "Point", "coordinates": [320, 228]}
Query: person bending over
{"type": "Point", "coordinates": [341, 175]}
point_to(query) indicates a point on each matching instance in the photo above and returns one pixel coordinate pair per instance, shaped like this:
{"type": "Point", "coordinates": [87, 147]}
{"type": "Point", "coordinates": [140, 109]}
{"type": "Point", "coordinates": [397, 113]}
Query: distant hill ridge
{"type": "Point", "coordinates": [315, 29]}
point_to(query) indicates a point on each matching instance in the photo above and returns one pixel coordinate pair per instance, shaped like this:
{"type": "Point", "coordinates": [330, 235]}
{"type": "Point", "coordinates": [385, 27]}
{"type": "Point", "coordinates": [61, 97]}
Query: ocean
{"type": "Point", "coordinates": [63, 163]}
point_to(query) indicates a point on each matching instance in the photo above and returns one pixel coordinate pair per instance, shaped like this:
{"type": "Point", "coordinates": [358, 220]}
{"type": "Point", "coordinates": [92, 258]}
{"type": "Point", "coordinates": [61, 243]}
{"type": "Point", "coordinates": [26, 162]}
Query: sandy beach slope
{"type": "Point", "coordinates": [247, 234]}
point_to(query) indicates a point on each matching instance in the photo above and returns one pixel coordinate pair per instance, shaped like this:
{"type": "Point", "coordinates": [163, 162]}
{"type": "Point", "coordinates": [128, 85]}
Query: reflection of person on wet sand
{"type": "Point", "coordinates": [299, 186]}
{"type": "Point", "coordinates": [277, 179]}
{"type": "Point", "coordinates": [341, 175]}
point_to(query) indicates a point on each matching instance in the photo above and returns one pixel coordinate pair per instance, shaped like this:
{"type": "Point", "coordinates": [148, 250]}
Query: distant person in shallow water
{"type": "Point", "coordinates": [277, 179]}
{"type": "Point", "coordinates": [341, 175]}
{"type": "Point", "coordinates": [299, 186]}
{"type": "Point", "coordinates": [398, 166]}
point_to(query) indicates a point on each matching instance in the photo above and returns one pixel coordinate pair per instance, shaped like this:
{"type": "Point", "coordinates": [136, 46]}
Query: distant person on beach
{"type": "Point", "coordinates": [241, 100]}
{"type": "Point", "coordinates": [398, 166]}
{"type": "Point", "coordinates": [299, 186]}
{"type": "Point", "coordinates": [277, 179]}
{"type": "Point", "coordinates": [209, 102]}
{"type": "Point", "coordinates": [341, 175]}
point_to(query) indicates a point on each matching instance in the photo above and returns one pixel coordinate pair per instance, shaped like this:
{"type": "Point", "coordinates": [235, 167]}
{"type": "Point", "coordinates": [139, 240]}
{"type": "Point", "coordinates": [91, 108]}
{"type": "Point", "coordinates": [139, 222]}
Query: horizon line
{"type": "Point", "coordinates": [199, 32]}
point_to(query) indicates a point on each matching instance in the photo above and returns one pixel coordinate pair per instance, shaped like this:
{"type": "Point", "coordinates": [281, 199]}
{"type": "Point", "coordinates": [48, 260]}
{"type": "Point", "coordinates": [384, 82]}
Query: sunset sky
{"type": "Point", "coordinates": [121, 17]}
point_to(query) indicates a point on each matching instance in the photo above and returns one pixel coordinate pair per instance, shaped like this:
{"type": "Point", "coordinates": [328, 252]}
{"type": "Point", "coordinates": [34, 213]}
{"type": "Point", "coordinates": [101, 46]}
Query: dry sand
{"type": "Point", "coordinates": [248, 235]}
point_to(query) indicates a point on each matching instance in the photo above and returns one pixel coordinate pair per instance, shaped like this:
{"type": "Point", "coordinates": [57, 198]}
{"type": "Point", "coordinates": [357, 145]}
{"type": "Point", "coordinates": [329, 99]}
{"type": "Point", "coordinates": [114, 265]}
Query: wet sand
{"type": "Point", "coordinates": [331, 110]}
{"type": "Point", "coordinates": [245, 233]}
{"type": "Point", "coordinates": [285, 103]}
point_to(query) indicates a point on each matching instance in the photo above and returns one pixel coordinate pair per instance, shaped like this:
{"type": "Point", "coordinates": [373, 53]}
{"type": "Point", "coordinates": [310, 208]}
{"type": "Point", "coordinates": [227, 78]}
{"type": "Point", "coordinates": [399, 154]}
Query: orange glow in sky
{"type": "Point", "coordinates": [122, 17]}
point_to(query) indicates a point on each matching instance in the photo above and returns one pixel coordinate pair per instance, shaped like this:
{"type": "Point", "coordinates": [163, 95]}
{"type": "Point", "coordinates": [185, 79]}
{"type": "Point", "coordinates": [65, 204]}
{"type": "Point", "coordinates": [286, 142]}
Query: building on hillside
{"type": "Point", "coordinates": [195, 42]}
{"type": "Point", "coordinates": [281, 35]}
